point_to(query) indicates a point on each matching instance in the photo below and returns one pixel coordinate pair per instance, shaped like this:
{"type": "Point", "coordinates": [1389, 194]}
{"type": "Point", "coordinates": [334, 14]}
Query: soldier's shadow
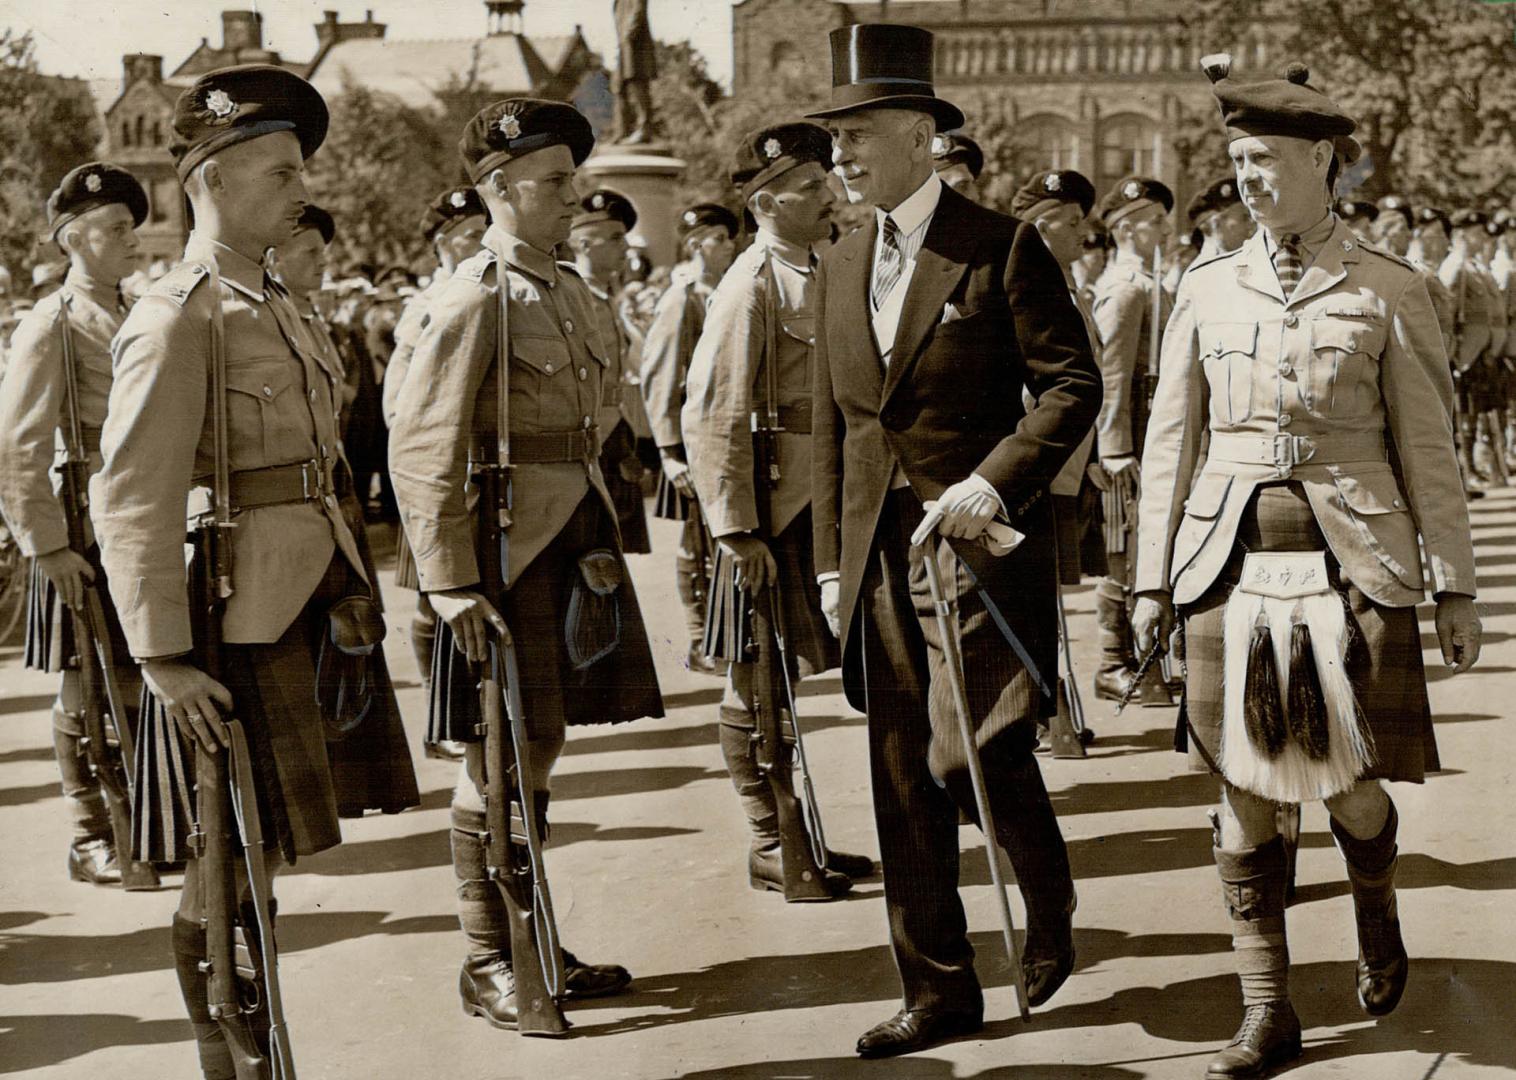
{"type": "Point", "coordinates": [636, 737]}
{"type": "Point", "coordinates": [907, 1068]}
{"type": "Point", "coordinates": [25, 703]}
{"type": "Point", "coordinates": [37, 1040]}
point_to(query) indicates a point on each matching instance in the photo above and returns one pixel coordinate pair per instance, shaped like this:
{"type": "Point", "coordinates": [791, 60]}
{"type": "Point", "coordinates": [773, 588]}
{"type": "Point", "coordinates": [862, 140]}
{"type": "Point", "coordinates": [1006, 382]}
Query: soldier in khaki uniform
{"type": "Point", "coordinates": [1360, 216]}
{"type": "Point", "coordinates": [240, 137]}
{"type": "Point", "coordinates": [1135, 212]}
{"type": "Point", "coordinates": [958, 161]}
{"type": "Point", "coordinates": [760, 333]}
{"type": "Point", "coordinates": [707, 235]}
{"type": "Point", "coordinates": [561, 542]}
{"type": "Point", "coordinates": [597, 237]}
{"type": "Point", "coordinates": [1474, 325]}
{"type": "Point", "coordinates": [1300, 446]}
{"type": "Point", "coordinates": [1218, 213]}
{"type": "Point", "coordinates": [93, 216]}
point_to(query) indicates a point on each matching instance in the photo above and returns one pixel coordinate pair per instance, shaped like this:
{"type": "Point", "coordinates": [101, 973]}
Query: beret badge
{"type": "Point", "coordinates": [459, 200]}
{"type": "Point", "coordinates": [1053, 182]}
{"type": "Point", "coordinates": [1133, 190]}
{"type": "Point", "coordinates": [510, 126]}
{"type": "Point", "coordinates": [772, 149]}
{"type": "Point", "coordinates": [690, 217]}
{"type": "Point", "coordinates": [1226, 191]}
{"type": "Point", "coordinates": [597, 201]}
{"type": "Point", "coordinates": [939, 146]}
{"type": "Point", "coordinates": [92, 183]}
{"type": "Point", "coordinates": [220, 105]}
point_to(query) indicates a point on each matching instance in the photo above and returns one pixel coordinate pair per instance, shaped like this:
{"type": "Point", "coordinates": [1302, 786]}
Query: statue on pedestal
{"type": "Point", "coordinates": [636, 66]}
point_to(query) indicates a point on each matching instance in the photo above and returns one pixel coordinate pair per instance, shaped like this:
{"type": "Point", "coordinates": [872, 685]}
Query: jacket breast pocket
{"type": "Point", "coordinates": [1343, 361]}
{"type": "Point", "coordinates": [258, 395]}
{"type": "Point", "coordinates": [800, 327]}
{"type": "Point", "coordinates": [543, 383]}
{"type": "Point", "coordinates": [1202, 510]}
{"type": "Point", "coordinates": [1381, 519]}
{"type": "Point", "coordinates": [1227, 355]}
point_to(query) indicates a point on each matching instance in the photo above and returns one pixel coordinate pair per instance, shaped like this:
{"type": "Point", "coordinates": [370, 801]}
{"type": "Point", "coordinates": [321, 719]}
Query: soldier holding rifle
{"type": "Point", "coordinates": [494, 456]}
{"type": "Point", "coordinates": [217, 385]}
{"type": "Point", "coordinates": [747, 431]}
{"type": "Point", "coordinates": [57, 379]}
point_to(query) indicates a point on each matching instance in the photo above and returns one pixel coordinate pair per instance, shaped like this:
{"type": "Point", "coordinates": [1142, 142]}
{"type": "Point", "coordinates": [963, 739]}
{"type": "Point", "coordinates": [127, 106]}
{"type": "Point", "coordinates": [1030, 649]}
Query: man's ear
{"type": "Point", "coordinates": [764, 202]}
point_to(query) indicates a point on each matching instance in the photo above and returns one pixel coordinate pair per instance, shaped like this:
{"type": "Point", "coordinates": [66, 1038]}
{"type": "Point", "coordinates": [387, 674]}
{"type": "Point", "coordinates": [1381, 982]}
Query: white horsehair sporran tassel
{"type": "Point", "coordinates": [1278, 592]}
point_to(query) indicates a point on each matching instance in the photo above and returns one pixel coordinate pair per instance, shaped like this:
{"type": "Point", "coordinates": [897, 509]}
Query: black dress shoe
{"type": "Point", "coordinates": [581, 980]}
{"type": "Point", "coordinates": [765, 871]}
{"type": "Point", "coordinates": [910, 1030]}
{"type": "Point", "coordinates": [1269, 1036]}
{"type": "Point", "coordinates": [854, 866]}
{"type": "Point", "coordinates": [487, 988]}
{"type": "Point", "coordinates": [94, 862]}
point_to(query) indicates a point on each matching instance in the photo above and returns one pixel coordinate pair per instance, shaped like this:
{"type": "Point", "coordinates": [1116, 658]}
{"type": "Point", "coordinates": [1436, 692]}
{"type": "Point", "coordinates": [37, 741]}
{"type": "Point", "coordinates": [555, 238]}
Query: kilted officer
{"type": "Point", "coordinates": [92, 217]}
{"type": "Point", "coordinates": [561, 551]}
{"type": "Point", "coordinates": [1311, 367]}
{"type": "Point", "coordinates": [240, 137]}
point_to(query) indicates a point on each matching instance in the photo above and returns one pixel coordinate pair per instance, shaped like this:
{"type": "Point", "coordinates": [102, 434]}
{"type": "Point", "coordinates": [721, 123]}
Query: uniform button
{"type": "Point", "coordinates": [1396, 503]}
{"type": "Point", "coordinates": [1291, 321]}
{"type": "Point", "coordinates": [1285, 419]}
{"type": "Point", "coordinates": [584, 373]}
{"type": "Point", "coordinates": [547, 368]}
{"type": "Point", "coordinates": [268, 391]}
{"type": "Point", "coordinates": [313, 393]}
{"type": "Point", "coordinates": [568, 325]}
{"type": "Point", "coordinates": [331, 500]}
{"type": "Point", "coordinates": [587, 423]}
{"type": "Point", "coordinates": [1286, 369]}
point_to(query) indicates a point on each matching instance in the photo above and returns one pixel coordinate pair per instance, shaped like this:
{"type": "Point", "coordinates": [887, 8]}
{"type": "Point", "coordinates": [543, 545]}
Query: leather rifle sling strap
{"type": "Point", "coordinates": [73, 431]}
{"type": "Point", "coordinates": [503, 411]}
{"type": "Point", "coordinates": [771, 376]}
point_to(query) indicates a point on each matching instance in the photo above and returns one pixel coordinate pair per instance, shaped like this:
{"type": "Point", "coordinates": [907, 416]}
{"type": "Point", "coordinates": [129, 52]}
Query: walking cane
{"type": "Point", "coordinates": [947, 628]}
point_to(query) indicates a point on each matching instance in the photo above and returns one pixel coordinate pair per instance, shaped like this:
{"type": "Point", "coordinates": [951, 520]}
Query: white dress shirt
{"type": "Point", "coordinates": [912, 218]}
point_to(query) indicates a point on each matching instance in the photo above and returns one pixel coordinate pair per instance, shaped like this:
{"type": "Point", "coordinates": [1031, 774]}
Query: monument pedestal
{"type": "Point", "coordinates": [646, 175]}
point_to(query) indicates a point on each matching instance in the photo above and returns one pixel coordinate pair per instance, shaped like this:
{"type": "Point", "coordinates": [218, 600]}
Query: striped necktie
{"type": "Point", "coordinates": [1287, 263]}
{"type": "Point", "coordinates": [888, 264]}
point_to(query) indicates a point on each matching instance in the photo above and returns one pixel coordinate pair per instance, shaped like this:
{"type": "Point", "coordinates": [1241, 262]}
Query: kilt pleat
{"type": "Point", "coordinates": [669, 504]}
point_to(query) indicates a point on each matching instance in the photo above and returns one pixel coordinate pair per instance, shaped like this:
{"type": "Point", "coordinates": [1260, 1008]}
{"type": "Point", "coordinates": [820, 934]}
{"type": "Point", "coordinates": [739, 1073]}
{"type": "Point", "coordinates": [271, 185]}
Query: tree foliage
{"type": "Point", "coordinates": [1429, 82]}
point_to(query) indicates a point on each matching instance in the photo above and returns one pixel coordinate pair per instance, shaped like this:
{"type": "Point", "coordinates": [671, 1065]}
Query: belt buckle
{"type": "Point", "coordinates": [1288, 452]}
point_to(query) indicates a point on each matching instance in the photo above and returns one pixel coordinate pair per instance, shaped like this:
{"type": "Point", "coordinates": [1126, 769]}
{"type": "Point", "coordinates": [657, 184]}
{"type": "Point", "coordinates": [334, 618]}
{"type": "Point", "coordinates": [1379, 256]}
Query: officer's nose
{"type": "Point", "coordinates": [841, 155]}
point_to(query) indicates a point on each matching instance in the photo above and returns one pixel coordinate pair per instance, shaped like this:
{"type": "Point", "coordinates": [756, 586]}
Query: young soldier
{"type": "Point", "coordinates": [1218, 213]}
{"type": "Point", "coordinates": [707, 235]}
{"type": "Point", "coordinates": [1393, 226]}
{"type": "Point", "coordinates": [1135, 212]}
{"type": "Point", "coordinates": [958, 160]}
{"type": "Point", "coordinates": [597, 237]}
{"type": "Point", "coordinates": [1474, 336]}
{"type": "Point", "coordinates": [759, 334]}
{"type": "Point", "coordinates": [240, 137]}
{"type": "Point", "coordinates": [1359, 216]}
{"type": "Point", "coordinates": [92, 216]}
{"type": "Point", "coordinates": [1299, 533]}
{"type": "Point", "coordinates": [559, 553]}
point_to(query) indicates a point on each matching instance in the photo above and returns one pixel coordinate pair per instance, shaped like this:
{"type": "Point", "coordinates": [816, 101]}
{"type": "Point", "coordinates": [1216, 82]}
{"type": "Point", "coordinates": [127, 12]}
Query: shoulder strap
{"type": "Point", "coordinates": [221, 477]}
{"type": "Point", "coordinates": [503, 386]}
{"type": "Point", "coordinates": [770, 353]}
{"type": "Point", "coordinates": [73, 428]}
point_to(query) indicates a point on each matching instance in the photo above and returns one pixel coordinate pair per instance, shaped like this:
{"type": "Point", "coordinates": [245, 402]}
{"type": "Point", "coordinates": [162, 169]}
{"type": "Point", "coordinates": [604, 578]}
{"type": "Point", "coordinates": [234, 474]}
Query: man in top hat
{"type": "Point", "coordinates": [958, 160]}
{"type": "Point", "coordinates": [597, 237]}
{"type": "Point", "coordinates": [1135, 211]}
{"type": "Point", "coordinates": [92, 217]}
{"type": "Point", "coordinates": [1360, 216]}
{"type": "Point", "coordinates": [758, 344]}
{"type": "Point", "coordinates": [707, 242]}
{"type": "Point", "coordinates": [932, 318]}
{"type": "Point", "coordinates": [240, 138]}
{"type": "Point", "coordinates": [533, 359]}
{"type": "Point", "coordinates": [1217, 211]}
{"type": "Point", "coordinates": [1309, 367]}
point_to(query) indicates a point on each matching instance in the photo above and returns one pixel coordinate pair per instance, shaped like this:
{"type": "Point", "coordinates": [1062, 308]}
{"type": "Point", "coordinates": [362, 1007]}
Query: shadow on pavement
{"type": "Point", "coordinates": [19, 796]}
{"type": "Point", "coordinates": [26, 703]}
{"type": "Point", "coordinates": [27, 753]}
{"type": "Point", "coordinates": [630, 738]}
{"type": "Point", "coordinates": [907, 1068]}
{"type": "Point", "coordinates": [1141, 742]}
{"type": "Point", "coordinates": [1109, 796]}
{"type": "Point", "coordinates": [628, 781]}
{"type": "Point", "coordinates": [35, 1041]}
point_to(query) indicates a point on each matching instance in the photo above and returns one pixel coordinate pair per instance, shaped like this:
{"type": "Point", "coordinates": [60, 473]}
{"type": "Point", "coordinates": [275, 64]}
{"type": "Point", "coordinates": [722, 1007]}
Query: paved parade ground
{"type": "Point", "coordinates": [647, 864]}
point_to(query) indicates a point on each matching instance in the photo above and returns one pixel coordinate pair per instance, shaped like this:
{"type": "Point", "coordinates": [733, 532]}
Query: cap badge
{"type": "Point", "coordinates": [1226, 191]}
{"type": "Point", "coordinates": [1053, 182]}
{"type": "Point", "coordinates": [772, 149]}
{"type": "Point", "coordinates": [1132, 190]}
{"type": "Point", "coordinates": [458, 200]}
{"type": "Point", "coordinates": [690, 217]}
{"type": "Point", "coordinates": [510, 126]}
{"type": "Point", "coordinates": [221, 105]}
{"type": "Point", "coordinates": [597, 201]}
{"type": "Point", "coordinates": [939, 146]}
{"type": "Point", "coordinates": [92, 183]}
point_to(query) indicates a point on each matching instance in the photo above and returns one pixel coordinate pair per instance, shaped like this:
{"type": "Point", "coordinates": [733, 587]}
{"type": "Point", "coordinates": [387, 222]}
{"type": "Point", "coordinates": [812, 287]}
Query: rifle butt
{"type": "Point", "coordinates": [537, 1011]}
{"type": "Point", "coordinates": [135, 876]}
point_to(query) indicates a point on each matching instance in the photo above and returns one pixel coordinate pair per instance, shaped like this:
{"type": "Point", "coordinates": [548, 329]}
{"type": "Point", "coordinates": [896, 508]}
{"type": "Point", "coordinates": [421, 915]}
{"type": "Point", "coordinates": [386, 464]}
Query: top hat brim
{"type": "Point", "coordinates": [948, 116]}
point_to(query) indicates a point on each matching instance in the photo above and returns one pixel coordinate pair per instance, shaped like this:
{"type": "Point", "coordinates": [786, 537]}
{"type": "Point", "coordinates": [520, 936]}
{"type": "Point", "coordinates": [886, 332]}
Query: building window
{"type": "Point", "coordinates": [165, 195]}
{"type": "Point", "coordinates": [126, 133]}
{"type": "Point", "coordinates": [1050, 140]}
{"type": "Point", "coordinates": [137, 134]}
{"type": "Point", "coordinates": [1129, 144]}
{"type": "Point", "coordinates": [157, 133]}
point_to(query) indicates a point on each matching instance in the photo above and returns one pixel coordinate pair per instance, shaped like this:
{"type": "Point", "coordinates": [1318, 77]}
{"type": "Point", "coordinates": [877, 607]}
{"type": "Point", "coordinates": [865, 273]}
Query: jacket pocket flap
{"type": "Point", "coordinates": [1371, 492]}
{"type": "Point", "coordinates": [546, 354]}
{"type": "Point", "coordinates": [1218, 339]}
{"type": "Point", "coordinates": [1346, 336]}
{"type": "Point", "coordinates": [800, 327]}
{"type": "Point", "coordinates": [262, 381]}
{"type": "Point", "coordinates": [1208, 496]}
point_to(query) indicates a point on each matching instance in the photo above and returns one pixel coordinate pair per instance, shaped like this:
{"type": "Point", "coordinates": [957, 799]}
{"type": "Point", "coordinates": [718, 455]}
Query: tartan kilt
{"type": "Point", "coordinates": [669, 504]}
{"type": "Point", "coordinates": [49, 639]}
{"type": "Point", "coordinates": [620, 687]}
{"type": "Point", "coordinates": [808, 639]}
{"type": "Point", "coordinates": [1383, 661]}
{"type": "Point", "coordinates": [305, 783]}
{"type": "Point", "coordinates": [626, 495]}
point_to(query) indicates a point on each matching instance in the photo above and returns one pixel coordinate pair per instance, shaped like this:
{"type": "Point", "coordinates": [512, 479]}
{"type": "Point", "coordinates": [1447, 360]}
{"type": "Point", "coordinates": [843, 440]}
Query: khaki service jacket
{"type": "Point", "coordinates": [618, 386]}
{"type": "Point", "coordinates": [413, 320]}
{"type": "Point", "coordinates": [1123, 314]}
{"type": "Point", "coordinates": [1472, 330]}
{"type": "Point", "coordinates": [1350, 375]}
{"type": "Point", "coordinates": [678, 322]}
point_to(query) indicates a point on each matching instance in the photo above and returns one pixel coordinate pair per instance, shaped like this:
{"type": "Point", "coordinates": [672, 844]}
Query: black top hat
{"type": "Point", "coordinates": [885, 66]}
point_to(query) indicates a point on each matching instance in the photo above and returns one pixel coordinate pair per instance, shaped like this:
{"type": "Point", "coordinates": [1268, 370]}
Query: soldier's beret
{"type": "Point", "coordinates": [232, 105]}
{"type": "Point", "coordinates": [1396, 204]}
{"type": "Point", "coordinates": [91, 186]}
{"type": "Point", "coordinates": [1495, 226]}
{"type": "Point", "coordinates": [450, 207]}
{"type": "Point", "coordinates": [1212, 199]}
{"type": "Point", "coordinates": [1288, 106]}
{"type": "Point", "coordinates": [1354, 210]}
{"type": "Point", "coordinates": [1426, 215]}
{"type": "Point", "coordinates": [516, 127]}
{"type": "Point", "coordinates": [1097, 239]}
{"type": "Point", "coordinates": [1131, 194]}
{"type": "Point", "coordinates": [950, 150]}
{"type": "Point", "coordinates": [605, 205]}
{"type": "Point", "coordinates": [703, 215]}
{"type": "Point", "coordinates": [767, 153]}
{"type": "Point", "coordinates": [1504, 216]}
{"type": "Point", "coordinates": [1052, 187]}
{"type": "Point", "coordinates": [313, 217]}
{"type": "Point", "coordinates": [1463, 219]}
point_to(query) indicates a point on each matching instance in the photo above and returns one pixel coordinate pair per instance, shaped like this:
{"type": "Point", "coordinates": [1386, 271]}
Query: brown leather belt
{"type": "Point", "coordinates": [794, 417]}
{"type": "Point", "coordinates": [305, 481]}
{"type": "Point", "coordinates": [1284, 452]}
{"type": "Point", "coordinates": [546, 447]}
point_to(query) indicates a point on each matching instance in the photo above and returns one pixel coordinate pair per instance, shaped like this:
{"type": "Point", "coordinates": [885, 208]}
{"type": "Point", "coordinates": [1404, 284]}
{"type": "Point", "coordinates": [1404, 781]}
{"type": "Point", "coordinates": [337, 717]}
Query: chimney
{"type": "Point", "coordinates": [504, 16]}
{"type": "Point", "coordinates": [141, 67]}
{"type": "Point", "coordinates": [327, 29]}
{"type": "Point", "coordinates": [241, 30]}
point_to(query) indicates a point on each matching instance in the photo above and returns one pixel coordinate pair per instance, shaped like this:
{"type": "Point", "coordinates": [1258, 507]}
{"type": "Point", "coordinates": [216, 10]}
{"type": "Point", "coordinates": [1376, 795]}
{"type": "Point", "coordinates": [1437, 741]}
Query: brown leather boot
{"type": "Point", "coordinates": [1269, 1036]}
{"type": "Point", "coordinates": [487, 988]}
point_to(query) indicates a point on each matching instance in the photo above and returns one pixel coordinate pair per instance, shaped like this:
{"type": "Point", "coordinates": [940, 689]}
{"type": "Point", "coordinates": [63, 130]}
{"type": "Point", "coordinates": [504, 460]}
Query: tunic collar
{"type": "Point", "coordinates": [520, 254]}
{"type": "Point", "coordinates": [236, 269]}
{"type": "Point", "coordinates": [796, 256]}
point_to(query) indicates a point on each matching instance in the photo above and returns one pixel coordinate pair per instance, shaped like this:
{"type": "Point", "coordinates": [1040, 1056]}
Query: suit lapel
{"type": "Point", "coordinates": [849, 284]}
{"type": "Point", "coordinates": [941, 262]}
{"type": "Point", "coordinates": [1256, 271]}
